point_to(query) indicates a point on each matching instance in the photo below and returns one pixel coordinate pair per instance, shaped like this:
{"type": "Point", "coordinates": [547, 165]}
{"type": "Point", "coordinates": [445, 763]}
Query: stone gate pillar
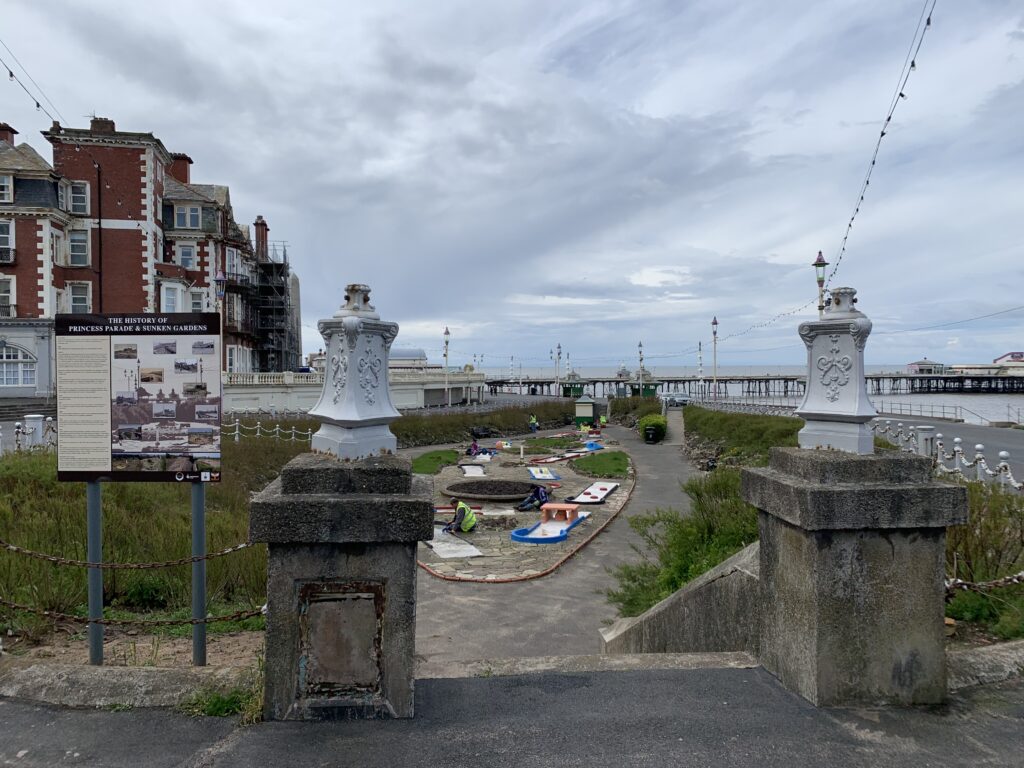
{"type": "Point", "coordinates": [342, 527]}
{"type": "Point", "coordinates": [852, 577]}
{"type": "Point", "coordinates": [852, 543]}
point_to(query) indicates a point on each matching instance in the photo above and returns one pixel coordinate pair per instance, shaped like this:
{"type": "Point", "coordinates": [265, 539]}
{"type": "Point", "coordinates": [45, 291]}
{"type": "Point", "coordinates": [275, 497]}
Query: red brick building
{"type": "Point", "coordinates": [115, 225]}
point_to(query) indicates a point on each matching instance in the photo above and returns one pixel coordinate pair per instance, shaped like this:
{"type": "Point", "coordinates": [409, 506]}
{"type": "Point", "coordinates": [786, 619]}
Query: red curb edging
{"type": "Point", "coordinates": [547, 571]}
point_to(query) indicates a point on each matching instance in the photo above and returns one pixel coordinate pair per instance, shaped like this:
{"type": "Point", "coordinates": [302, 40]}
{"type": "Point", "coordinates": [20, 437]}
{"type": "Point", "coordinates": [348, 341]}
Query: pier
{"type": "Point", "coordinates": [767, 385]}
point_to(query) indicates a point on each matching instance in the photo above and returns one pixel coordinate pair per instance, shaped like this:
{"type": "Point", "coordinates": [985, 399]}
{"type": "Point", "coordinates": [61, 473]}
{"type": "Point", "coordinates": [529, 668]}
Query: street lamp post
{"type": "Point", "coordinates": [221, 281]}
{"type": "Point", "coordinates": [819, 265]}
{"type": "Point", "coordinates": [714, 340]}
{"type": "Point", "coordinates": [556, 355]}
{"type": "Point", "coordinates": [700, 367]}
{"type": "Point", "coordinates": [447, 389]}
{"type": "Point", "coordinates": [640, 372]}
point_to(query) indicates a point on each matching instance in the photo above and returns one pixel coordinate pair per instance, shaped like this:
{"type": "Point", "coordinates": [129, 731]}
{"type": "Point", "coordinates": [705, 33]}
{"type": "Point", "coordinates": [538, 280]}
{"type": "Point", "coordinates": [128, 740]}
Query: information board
{"type": "Point", "coordinates": [138, 397]}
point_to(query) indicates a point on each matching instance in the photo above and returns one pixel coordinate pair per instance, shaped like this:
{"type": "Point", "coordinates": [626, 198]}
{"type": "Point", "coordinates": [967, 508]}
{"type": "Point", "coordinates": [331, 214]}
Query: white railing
{"type": "Point", "coordinates": [932, 411]}
{"type": "Point", "coordinates": [237, 430]}
{"type": "Point", "coordinates": [33, 438]}
{"type": "Point", "coordinates": [925, 441]}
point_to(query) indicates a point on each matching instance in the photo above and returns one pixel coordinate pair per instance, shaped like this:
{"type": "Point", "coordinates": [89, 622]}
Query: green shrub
{"type": "Point", "coordinates": [720, 524]}
{"type": "Point", "coordinates": [655, 420]}
{"type": "Point", "coordinates": [629, 408]}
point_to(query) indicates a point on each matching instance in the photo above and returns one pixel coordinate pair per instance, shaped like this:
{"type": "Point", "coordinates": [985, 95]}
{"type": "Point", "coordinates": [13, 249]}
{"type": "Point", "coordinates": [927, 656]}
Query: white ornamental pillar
{"type": "Point", "coordinates": [355, 405]}
{"type": "Point", "coordinates": [836, 405]}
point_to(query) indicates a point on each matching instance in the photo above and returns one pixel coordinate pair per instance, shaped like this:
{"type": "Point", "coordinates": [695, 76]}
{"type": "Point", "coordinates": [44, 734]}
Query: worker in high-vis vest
{"type": "Point", "coordinates": [464, 520]}
{"type": "Point", "coordinates": [533, 422]}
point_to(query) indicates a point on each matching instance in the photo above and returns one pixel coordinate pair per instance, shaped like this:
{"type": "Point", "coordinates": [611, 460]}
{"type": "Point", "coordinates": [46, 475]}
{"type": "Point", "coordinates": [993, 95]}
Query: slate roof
{"type": "Point", "coordinates": [175, 190]}
{"type": "Point", "coordinates": [22, 158]}
{"type": "Point", "coordinates": [215, 192]}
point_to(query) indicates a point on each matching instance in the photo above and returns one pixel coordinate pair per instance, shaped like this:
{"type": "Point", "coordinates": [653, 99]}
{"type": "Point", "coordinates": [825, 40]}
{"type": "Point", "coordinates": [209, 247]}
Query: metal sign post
{"type": "Point", "coordinates": [199, 573]}
{"type": "Point", "coordinates": [94, 554]}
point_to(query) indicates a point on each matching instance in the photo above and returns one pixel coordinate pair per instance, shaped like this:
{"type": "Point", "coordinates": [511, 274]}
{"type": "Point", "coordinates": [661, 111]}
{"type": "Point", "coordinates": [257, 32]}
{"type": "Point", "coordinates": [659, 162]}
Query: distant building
{"type": "Point", "coordinates": [1009, 357]}
{"type": "Point", "coordinates": [926, 367]}
{"type": "Point", "coordinates": [116, 225]}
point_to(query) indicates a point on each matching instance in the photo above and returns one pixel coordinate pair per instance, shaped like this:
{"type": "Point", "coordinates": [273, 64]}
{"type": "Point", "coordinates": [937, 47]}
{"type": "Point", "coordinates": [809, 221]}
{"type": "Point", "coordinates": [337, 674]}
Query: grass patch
{"type": "Point", "coordinates": [720, 524]}
{"type": "Point", "coordinates": [743, 437]}
{"type": "Point", "coordinates": [534, 446]}
{"type": "Point", "coordinates": [430, 463]}
{"type": "Point", "coordinates": [602, 464]}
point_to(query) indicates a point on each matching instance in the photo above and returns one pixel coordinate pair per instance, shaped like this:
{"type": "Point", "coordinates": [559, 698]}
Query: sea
{"type": "Point", "coordinates": [971, 408]}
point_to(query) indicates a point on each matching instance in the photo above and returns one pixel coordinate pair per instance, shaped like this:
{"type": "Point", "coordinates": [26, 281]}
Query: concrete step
{"type": "Point", "coordinates": [446, 668]}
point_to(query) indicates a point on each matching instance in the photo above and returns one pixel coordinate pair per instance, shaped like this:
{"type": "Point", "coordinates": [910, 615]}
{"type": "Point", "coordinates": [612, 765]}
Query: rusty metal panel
{"type": "Point", "coordinates": [340, 633]}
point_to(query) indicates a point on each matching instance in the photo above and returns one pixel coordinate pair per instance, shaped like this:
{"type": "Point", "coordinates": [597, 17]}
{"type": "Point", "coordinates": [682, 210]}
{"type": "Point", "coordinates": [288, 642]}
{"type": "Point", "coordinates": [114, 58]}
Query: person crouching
{"type": "Point", "coordinates": [464, 520]}
{"type": "Point", "coordinates": [538, 497]}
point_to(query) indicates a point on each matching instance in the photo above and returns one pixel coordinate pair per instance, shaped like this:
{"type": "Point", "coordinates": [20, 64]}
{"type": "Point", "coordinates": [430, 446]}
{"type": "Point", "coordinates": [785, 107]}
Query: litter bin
{"type": "Point", "coordinates": [650, 435]}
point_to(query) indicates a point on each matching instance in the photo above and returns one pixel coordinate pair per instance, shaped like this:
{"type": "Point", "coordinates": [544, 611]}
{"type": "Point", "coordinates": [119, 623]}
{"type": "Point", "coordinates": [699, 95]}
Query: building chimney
{"type": "Point", "coordinates": [7, 133]}
{"type": "Point", "coordinates": [180, 167]}
{"type": "Point", "coordinates": [261, 238]}
{"type": "Point", "coordinates": [101, 125]}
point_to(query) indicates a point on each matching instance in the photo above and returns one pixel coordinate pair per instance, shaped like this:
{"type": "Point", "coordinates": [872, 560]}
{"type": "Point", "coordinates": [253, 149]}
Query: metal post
{"type": "Point", "coordinates": [199, 573]}
{"type": "Point", "coordinates": [94, 554]}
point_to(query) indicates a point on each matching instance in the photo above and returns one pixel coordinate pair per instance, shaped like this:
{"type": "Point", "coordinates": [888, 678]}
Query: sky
{"type": "Point", "coordinates": [593, 174]}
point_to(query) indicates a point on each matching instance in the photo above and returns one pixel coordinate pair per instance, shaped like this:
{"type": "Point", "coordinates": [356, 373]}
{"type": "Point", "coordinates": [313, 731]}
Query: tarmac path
{"type": "Point", "coordinates": [558, 614]}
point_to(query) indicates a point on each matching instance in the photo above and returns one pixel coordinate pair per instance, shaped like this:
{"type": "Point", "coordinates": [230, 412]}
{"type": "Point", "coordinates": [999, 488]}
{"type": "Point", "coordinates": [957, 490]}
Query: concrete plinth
{"type": "Point", "coordinates": [341, 586]}
{"type": "Point", "coordinates": [852, 574]}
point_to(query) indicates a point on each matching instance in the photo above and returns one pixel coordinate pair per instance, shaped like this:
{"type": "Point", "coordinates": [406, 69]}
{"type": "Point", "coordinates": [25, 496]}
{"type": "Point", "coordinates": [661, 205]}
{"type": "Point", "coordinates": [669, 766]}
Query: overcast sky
{"type": "Point", "coordinates": [593, 174]}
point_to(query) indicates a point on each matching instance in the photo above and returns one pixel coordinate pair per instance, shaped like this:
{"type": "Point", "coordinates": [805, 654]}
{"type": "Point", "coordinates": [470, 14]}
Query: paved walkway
{"type": "Point", "coordinates": [561, 613]}
{"type": "Point", "coordinates": [734, 718]}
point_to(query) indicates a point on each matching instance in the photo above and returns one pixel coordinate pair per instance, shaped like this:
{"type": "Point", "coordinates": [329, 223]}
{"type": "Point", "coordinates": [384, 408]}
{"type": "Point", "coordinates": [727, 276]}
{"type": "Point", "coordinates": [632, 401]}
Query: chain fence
{"type": "Point", "coordinates": [57, 560]}
{"type": "Point", "coordinates": [58, 616]}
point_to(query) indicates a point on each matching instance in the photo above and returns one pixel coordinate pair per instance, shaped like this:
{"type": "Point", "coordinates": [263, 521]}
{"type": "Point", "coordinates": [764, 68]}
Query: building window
{"type": "Point", "coordinates": [6, 242]}
{"type": "Point", "coordinates": [78, 248]}
{"type": "Point", "coordinates": [198, 300]}
{"type": "Point", "coordinates": [186, 216]}
{"type": "Point", "coordinates": [62, 198]}
{"type": "Point", "coordinates": [187, 256]}
{"type": "Point", "coordinates": [81, 296]}
{"type": "Point", "coordinates": [79, 197]}
{"type": "Point", "coordinates": [172, 297]}
{"type": "Point", "coordinates": [6, 189]}
{"type": "Point", "coordinates": [7, 297]}
{"type": "Point", "coordinates": [17, 367]}
{"type": "Point", "coordinates": [231, 359]}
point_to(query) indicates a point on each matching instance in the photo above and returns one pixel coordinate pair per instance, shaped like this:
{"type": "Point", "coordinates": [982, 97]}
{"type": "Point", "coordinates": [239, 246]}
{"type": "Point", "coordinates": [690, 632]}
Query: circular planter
{"type": "Point", "coordinates": [490, 490]}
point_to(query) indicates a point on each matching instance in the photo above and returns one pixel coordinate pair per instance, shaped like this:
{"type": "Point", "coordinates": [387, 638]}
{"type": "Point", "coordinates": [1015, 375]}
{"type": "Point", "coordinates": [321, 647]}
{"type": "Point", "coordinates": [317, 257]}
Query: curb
{"type": "Point", "coordinates": [986, 664]}
{"type": "Point", "coordinates": [83, 686]}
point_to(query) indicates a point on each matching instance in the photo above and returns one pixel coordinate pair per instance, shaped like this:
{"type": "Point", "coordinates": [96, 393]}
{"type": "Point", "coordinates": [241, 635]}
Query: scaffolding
{"type": "Point", "coordinates": [278, 343]}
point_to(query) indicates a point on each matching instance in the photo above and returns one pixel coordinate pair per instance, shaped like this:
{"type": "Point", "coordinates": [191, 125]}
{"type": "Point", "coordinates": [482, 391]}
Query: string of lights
{"type": "Point", "coordinates": [899, 94]}
{"type": "Point", "coordinates": [29, 76]}
{"type": "Point", "coordinates": [13, 77]}
{"type": "Point", "coordinates": [924, 23]}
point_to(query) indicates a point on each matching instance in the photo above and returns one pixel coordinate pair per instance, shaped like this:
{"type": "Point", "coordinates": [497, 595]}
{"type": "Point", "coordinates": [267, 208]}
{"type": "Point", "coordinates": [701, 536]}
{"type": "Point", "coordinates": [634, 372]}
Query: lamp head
{"type": "Point", "coordinates": [819, 269]}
